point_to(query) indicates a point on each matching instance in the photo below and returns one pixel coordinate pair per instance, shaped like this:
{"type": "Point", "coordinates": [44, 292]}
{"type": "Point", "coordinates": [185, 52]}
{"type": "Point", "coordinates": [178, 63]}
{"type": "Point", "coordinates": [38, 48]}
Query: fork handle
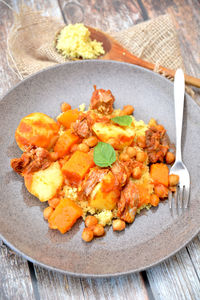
{"type": "Point", "coordinates": [179, 90]}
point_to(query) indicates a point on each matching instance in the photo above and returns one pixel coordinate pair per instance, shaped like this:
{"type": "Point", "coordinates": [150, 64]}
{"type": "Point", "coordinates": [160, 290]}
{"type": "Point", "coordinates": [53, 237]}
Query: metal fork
{"type": "Point", "coordinates": [180, 198]}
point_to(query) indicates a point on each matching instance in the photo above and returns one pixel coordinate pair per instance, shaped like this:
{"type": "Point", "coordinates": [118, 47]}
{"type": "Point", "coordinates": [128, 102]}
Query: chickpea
{"type": "Point", "coordinates": [173, 180]}
{"type": "Point", "coordinates": [87, 235]}
{"type": "Point", "coordinates": [98, 230]}
{"type": "Point", "coordinates": [154, 200]}
{"type": "Point", "coordinates": [53, 156]}
{"type": "Point", "coordinates": [141, 156]}
{"type": "Point", "coordinates": [74, 148]}
{"type": "Point", "coordinates": [65, 106]}
{"type": "Point", "coordinates": [54, 202]}
{"type": "Point", "coordinates": [170, 157]}
{"type": "Point", "coordinates": [131, 151]}
{"type": "Point", "coordinates": [128, 109]}
{"type": "Point", "coordinates": [141, 141]}
{"type": "Point", "coordinates": [161, 191]}
{"type": "Point", "coordinates": [83, 147]}
{"type": "Point", "coordinates": [118, 225]}
{"type": "Point", "coordinates": [124, 157]}
{"type": "Point", "coordinates": [47, 212]}
{"type": "Point", "coordinates": [91, 141]}
{"type": "Point", "coordinates": [91, 221]}
{"type": "Point", "coordinates": [137, 173]}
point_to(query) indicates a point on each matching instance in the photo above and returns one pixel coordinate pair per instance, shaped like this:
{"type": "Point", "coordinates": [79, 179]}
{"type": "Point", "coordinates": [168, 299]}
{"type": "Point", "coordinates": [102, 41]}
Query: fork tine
{"type": "Point", "coordinates": [180, 200]}
{"type": "Point", "coordinates": [186, 197]}
{"type": "Point", "coordinates": [170, 200]}
{"type": "Point", "coordinates": [176, 197]}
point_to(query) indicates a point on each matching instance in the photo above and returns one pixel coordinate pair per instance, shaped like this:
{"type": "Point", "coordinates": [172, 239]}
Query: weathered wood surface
{"type": "Point", "coordinates": [15, 280]}
{"type": "Point", "coordinates": [8, 79]}
{"type": "Point", "coordinates": [59, 287]}
{"type": "Point", "coordinates": [124, 287]}
{"type": "Point", "coordinates": [107, 15]}
{"type": "Point", "coordinates": [178, 277]}
{"type": "Point", "coordinates": [194, 252]}
{"type": "Point", "coordinates": [175, 279]}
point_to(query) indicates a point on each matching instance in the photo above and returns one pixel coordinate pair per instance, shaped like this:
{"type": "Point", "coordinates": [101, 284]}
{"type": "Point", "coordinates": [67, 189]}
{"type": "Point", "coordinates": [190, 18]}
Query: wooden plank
{"type": "Point", "coordinates": [108, 15]}
{"type": "Point", "coordinates": [194, 252]}
{"type": "Point", "coordinates": [8, 78]}
{"type": "Point", "coordinates": [119, 288]}
{"type": "Point", "coordinates": [15, 281]}
{"type": "Point", "coordinates": [53, 285]}
{"type": "Point", "coordinates": [175, 279]}
{"type": "Point", "coordinates": [56, 286]}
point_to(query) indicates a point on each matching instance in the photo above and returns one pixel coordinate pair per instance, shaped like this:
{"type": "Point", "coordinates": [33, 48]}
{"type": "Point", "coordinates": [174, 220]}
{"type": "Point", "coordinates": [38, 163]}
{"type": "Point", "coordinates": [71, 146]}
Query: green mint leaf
{"type": "Point", "coordinates": [123, 120]}
{"type": "Point", "coordinates": [104, 155]}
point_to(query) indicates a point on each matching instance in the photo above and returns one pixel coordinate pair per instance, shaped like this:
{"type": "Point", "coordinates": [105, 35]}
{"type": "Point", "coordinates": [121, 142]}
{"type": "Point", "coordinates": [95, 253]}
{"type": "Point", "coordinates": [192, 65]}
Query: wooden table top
{"type": "Point", "coordinates": [178, 277]}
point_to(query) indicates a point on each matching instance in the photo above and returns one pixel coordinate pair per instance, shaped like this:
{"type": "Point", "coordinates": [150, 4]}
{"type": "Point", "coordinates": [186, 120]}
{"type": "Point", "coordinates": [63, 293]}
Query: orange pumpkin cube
{"type": "Point", "coordinates": [68, 117]}
{"type": "Point", "coordinates": [77, 166]}
{"type": "Point", "coordinates": [65, 142]}
{"type": "Point", "coordinates": [65, 215]}
{"type": "Point", "coordinates": [160, 174]}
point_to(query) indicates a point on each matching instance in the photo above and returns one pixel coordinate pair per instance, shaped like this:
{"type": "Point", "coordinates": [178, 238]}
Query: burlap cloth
{"type": "Point", "coordinates": [31, 42]}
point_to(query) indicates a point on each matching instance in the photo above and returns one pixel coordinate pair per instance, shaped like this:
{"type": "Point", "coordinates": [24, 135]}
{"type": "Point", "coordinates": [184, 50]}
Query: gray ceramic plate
{"type": "Point", "coordinates": [154, 235]}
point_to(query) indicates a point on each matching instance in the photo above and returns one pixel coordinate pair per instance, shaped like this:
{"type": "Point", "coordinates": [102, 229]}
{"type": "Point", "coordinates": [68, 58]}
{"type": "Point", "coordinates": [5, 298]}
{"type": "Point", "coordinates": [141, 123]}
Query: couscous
{"type": "Point", "coordinates": [74, 42]}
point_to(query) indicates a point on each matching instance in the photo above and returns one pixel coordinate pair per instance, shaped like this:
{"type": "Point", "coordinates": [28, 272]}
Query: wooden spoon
{"type": "Point", "coordinates": [114, 51]}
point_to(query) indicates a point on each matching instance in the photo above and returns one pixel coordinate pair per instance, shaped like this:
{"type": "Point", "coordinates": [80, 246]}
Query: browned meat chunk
{"type": "Point", "coordinates": [32, 160]}
{"type": "Point", "coordinates": [120, 172]}
{"type": "Point", "coordinates": [102, 101]}
{"type": "Point", "coordinates": [81, 128]}
{"type": "Point", "coordinates": [156, 143]}
{"type": "Point", "coordinates": [127, 205]}
{"type": "Point", "coordinates": [19, 164]}
{"type": "Point", "coordinates": [91, 180]}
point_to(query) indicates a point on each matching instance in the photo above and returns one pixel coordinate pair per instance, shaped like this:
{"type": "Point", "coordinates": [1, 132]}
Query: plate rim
{"type": "Point", "coordinates": [87, 275]}
{"type": "Point", "coordinates": [58, 65]}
